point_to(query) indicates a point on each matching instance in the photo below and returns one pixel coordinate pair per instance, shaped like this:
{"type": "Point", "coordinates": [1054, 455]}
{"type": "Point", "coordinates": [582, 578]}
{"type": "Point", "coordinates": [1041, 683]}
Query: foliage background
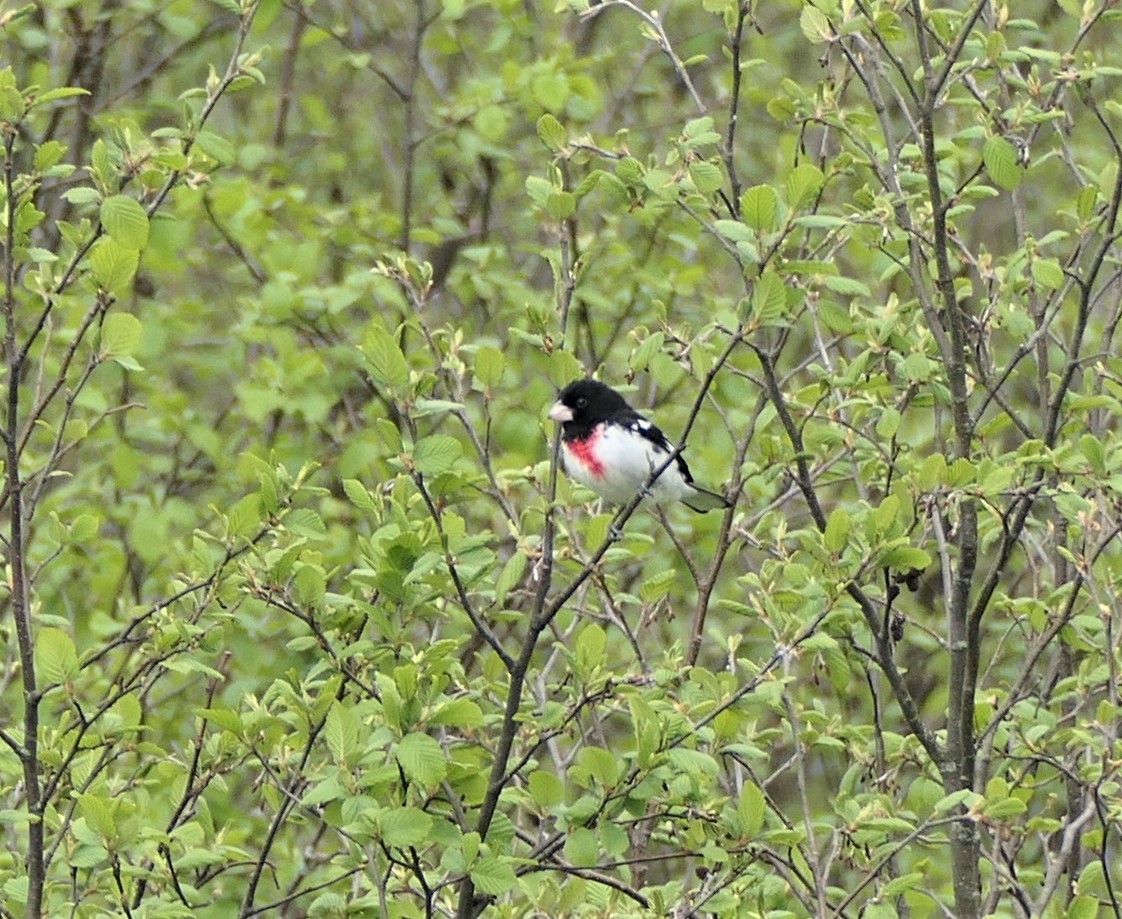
{"type": "Point", "coordinates": [300, 618]}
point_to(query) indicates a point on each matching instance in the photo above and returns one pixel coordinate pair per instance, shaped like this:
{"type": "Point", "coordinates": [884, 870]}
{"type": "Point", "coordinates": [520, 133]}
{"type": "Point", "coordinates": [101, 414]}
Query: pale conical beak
{"type": "Point", "coordinates": [561, 412]}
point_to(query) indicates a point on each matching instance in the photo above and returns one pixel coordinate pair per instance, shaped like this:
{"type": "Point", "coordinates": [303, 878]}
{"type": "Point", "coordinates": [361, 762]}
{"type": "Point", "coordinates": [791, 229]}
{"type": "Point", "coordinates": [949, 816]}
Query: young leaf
{"type": "Point", "coordinates": [125, 221]}
{"type": "Point", "coordinates": [837, 531]}
{"type": "Point", "coordinates": [546, 789]}
{"type": "Point", "coordinates": [358, 495]}
{"type": "Point", "coordinates": [120, 337]}
{"type": "Point", "coordinates": [751, 808]}
{"type": "Point", "coordinates": [310, 585]}
{"type": "Point", "coordinates": [706, 176]}
{"type": "Point", "coordinates": [1000, 159]}
{"type": "Point", "coordinates": [113, 266]}
{"type": "Point", "coordinates": [489, 365]}
{"type": "Point", "coordinates": [492, 876]}
{"type": "Point", "coordinates": [303, 521]}
{"type": "Point", "coordinates": [422, 759]}
{"type": "Point", "coordinates": [1048, 273]}
{"type": "Point", "coordinates": [759, 206]}
{"type": "Point", "coordinates": [384, 358]}
{"type": "Point", "coordinates": [404, 826]}
{"type": "Point", "coordinates": [341, 732]}
{"type": "Point", "coordinates": [436, 454]}
{"type": "Point", "coordinates": [56, 659]}
{"type": "Point", "coordinates": [769, 299]}
{"type": "Point", "coordinates": [803, 182]}
{"type": "Point", "coordinates": [816, 27]}
{"type": "Point", "coordinates": [552, 132]}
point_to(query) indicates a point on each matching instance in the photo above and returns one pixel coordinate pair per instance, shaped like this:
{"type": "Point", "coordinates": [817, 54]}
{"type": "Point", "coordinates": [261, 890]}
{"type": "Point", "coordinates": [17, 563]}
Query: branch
{"type": "Point", "coordinates": [654, 21]}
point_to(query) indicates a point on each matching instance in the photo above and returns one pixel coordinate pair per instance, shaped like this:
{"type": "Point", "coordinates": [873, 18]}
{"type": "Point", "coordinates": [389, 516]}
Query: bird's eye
{"type": "Point", "coordinates": [582, 402]}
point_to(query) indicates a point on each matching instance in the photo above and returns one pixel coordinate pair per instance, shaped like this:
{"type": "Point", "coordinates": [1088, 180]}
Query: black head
{"type": "Point", "coordinates": [584, 404]}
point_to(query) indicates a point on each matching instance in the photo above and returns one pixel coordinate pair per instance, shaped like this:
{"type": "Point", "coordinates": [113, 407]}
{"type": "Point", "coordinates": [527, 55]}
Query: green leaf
{"type": "Point", "coordinates": [564, 368]}
{"type": "Point", "coordinates": [217, 148]}
{"type": "Point", "coordinates": [493, 876]}
{"type": "Point", "coordinates": [700, 131]}
{"type": "Point", "coordinates": [384, 358]}
{"type": "Point", "coordinates": [657, 585]}
{"type": "Point", "coordinates": [99, 813]}
{"type": "Point", "coordinates": [804, 182]}
{"type": "Point", "coordinates": [120, 337]}
{"type": "Point", "coordinates": [837, 531]}
{"type": "Point", "coordinates": [460, 713]}
{"type": "Point", "coordinates": [849, 287]}
{"type": "Point", "coordinates": [303, 521]}
{"type": "Point", "coordinates": [751, 808]}
{"type": "Point", "coordinates": [651, 345]}
{"type": "Point", "coordinates": [113, 266]}
{"type": "Point", "coordinates": [552, 132]}
{"type": "Point", "coordinates": [1003, 810]}
{"type": "Point", "coordinates": [270, 499]}
{"type": "Point", "coordinates": [436, 454]}
{"type": "Point", "coordinates": [244, 515]}
{"type": "Point", "coordinates": [905, 558]}
{"type": "Point", "coordinates": [225, 718]}
{"type": "Point", "coordinates": [546, 789]}
{"type": "Point", "coordinates": [1046, 272]}
{"type": "Point", "coordinates": [341, 732]}
{"type": "Point", "coordinates": [693, 762]}
{"type": "Point", "coordinates": [56, 658]}
{"type": "Point", "coordinates": [707, 177]}
{"type": "Point", "coordinates": [422, 759]}
{"type": "Point", "coordinates": [1083, 907]}
{"type": "Point", "coordinates": [733, 231]}
{"type": "Point", "coordinates": [550, 90]}
{"type": "Point", "coordinates": [48, 155]}
{"type": "Point", "coordinates": [561, 205]}
{"type": "Point", "coordinates": [492, 123]}
{"type": "Point", "coordinates": [511, 576]}
{"type": "Point", "coordinates": [330, 789]}
{"type": "Point", "coordinates": [404, 826]}
{"type": "Point", "coordinates": [603, 765]}
{"type": "Point", "coordinates": [125, 221]}
{"type": "Point", "coordinates": [489, 365]}
{"type": "Point", "coordinates": [358, 495]}
{"type": "Point", "coordinates": [12, 105]}
{"type": "Point", "coordinates": [590, 646]}
{"type": "Point", "coordinates": [311, 585]}
{"type": "Point", "coordinates": [888, 423]}
{"type": "Point", "coordinates": [918, 367]}
{"type": "Point", "coordinates": [15, 888]}
{"type": "Point", "coordinates": [1000, 159]}
{"type": "Point", "coordinates": [538, 190]}
{"type": "Point", "coordinates": [62, 92]}
{"type": "Point", "coordinates": [1085, 202]}
{"type": "Point", "coordinates": [769, 299]}
{"type": "Point", "coordinates": [816, 27]}
{"type": "Point", "coordinates": [582, 848]}
{"type": "Point", "coordinates": [84, 528]}
{"type": "Point", "coordinates": [759, 206]}
{"type": "Point", "coordinates": [83, 194]}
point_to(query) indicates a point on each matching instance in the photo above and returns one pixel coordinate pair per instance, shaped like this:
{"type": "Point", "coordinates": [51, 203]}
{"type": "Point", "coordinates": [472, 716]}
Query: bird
{"type": "Point", "coordinates": [609, 447]}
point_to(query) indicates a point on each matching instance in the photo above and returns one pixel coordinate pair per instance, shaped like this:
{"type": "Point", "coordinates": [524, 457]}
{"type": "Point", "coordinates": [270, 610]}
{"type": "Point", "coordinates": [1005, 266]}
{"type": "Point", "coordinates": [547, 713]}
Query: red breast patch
{"type": "Point", "coordinates": [583, 452]}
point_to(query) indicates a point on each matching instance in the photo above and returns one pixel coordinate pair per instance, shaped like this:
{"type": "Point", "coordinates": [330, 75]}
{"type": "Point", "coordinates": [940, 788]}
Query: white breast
{"type": "Point", "coordinates": [625, 463]}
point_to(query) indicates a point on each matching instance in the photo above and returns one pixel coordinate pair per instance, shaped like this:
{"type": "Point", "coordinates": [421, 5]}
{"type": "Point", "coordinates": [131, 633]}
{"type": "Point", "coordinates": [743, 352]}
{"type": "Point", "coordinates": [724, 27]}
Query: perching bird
{"type": "Point", "coordinates": [609, 447]}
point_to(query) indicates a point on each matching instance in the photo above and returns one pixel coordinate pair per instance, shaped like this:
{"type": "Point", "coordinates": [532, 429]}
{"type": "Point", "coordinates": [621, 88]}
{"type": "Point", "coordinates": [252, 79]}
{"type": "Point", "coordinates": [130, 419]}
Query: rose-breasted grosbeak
{"type": "Point", "coordinates": [611, 448]}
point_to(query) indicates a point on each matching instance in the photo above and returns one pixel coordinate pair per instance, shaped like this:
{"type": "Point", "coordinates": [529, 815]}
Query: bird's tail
{"type": "Point", "coordinates": [701, 500]}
